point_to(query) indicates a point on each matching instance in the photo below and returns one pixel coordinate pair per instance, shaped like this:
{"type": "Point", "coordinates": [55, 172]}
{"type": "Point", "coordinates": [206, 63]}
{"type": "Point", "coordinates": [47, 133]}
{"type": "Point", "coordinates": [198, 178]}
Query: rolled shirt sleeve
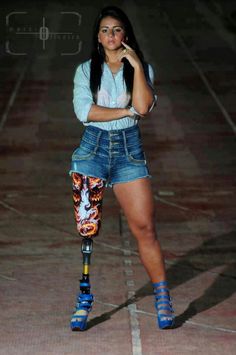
{"type": "Point", "coordinates": [150, 81]}
{"type": "Point", "coordinates": [82, 95]}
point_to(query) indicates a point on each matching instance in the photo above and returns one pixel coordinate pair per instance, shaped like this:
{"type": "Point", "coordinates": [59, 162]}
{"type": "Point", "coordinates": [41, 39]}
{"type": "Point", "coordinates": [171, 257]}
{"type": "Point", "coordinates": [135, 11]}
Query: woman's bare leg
{"type": "Point", "coordinates": [136, 200]}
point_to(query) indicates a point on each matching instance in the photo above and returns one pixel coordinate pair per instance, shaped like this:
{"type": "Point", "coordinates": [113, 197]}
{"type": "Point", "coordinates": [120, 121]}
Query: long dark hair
{"type": "Point", "coordinates": [98, 53]}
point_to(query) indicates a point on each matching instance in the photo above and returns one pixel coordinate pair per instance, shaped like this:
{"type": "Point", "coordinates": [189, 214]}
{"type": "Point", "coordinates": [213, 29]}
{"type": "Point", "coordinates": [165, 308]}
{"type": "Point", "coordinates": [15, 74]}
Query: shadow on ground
{"type": "Point", "coordinates": [213, 253]}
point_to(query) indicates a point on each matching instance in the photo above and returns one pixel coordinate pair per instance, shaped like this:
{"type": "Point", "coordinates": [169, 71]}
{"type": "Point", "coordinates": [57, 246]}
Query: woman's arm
{"type": "Point", "coordinates": [84, 106]}
{"type": "Point", "coordinates": [143, 98]}
{"type": "Point", "coordinates": [142, 95]}
{"type": "Point", "coordinates": [102, 114]}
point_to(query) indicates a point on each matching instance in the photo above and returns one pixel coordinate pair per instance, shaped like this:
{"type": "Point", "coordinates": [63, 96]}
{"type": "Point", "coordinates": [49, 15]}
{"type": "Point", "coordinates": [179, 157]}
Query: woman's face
{"type": "Point", "coordinates": [111, 33]}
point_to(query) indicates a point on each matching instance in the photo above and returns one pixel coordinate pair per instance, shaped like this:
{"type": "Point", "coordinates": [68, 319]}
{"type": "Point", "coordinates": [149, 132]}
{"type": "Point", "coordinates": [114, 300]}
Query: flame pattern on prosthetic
{"type": "Point", "coordinates": [87, 197]}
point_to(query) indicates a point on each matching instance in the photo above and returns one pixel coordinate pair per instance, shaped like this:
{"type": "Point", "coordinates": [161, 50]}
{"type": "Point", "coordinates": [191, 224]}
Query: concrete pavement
{"type": "Point", "coordinates": [190, 143]}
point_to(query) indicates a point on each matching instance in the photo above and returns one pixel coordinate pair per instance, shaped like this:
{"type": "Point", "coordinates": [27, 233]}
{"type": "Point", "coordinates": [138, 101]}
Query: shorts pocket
{"type": "Point", "coordinates": [137, 157]}
{"type": "Point", "coordinates": [84, 151]}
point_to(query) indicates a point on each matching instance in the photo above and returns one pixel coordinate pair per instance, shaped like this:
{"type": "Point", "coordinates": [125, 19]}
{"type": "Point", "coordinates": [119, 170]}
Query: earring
{"type": "Point", "coordinates": [99, 48]}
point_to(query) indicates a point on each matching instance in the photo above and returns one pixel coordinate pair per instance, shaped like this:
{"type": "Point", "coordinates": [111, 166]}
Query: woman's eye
{"type": "Point", "coordinates": [115, 30]}
{"type": "Point", "coordinates": [118, 29]}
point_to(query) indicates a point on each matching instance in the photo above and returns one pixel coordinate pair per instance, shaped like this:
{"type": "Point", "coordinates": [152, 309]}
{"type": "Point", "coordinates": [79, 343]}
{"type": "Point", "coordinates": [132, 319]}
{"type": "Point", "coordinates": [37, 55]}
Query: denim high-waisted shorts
{"type": "Point", "coordinates": [115, 156]}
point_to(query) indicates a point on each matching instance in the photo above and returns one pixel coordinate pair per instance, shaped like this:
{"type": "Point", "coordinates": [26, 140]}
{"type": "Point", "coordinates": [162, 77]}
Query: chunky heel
{"type": "Point", "coordinates": [82, 309]}
{"type": "Point", "coordinates": [163, 305]}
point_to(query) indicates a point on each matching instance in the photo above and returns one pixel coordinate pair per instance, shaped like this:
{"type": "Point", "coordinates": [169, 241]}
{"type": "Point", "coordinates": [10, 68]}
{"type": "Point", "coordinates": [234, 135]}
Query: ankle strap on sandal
{"type": "Point", "coordinates": [158, 284]}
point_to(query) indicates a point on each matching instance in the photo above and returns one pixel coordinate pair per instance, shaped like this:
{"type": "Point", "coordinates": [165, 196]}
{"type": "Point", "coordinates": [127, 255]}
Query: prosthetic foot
{"type": "Point", "coordinates": [84, 299]}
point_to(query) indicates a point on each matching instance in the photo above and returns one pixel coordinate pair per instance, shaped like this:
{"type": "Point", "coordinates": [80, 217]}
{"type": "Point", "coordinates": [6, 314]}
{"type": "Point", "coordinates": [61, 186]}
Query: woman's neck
{"type": "Point", "coordinates": [111, 56]}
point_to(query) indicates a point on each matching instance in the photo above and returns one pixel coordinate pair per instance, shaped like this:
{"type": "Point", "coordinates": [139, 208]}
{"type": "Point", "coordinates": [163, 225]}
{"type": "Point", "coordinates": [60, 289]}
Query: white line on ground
{"type": "Point", "coordinates": [207, 213]}
{"type": "Point", "coordinates": [7, 277]}
{"type": "Point", "coordinates": [188, 321]}
{"type": "Point", "coordinates": [106, 245]}
{"type": "Point", "coordinates": [171, 203]}
{"type": "Point", "coordinates": [130, 284]}
{"type": "Point", "coordinates": [217, 23]}
{"type": "Point", "coordinates": [201, 74]}
{"type": "Point", "coordinates": [135, 330]}
{"type": "Point", "coordinates": [13, 95]}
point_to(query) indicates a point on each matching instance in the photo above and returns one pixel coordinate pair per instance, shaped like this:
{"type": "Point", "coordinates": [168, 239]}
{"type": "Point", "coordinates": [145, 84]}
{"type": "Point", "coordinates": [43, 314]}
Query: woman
{"type": "Point", "coordinates": [112, 91]}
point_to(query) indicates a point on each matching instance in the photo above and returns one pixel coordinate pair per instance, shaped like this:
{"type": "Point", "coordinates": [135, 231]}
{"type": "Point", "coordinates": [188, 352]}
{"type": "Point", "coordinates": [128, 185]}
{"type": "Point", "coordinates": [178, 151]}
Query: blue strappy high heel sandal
{"type": "Point", "coordinates": [82, 309]}
{"type": "Point", "coordinates": [165, 312]}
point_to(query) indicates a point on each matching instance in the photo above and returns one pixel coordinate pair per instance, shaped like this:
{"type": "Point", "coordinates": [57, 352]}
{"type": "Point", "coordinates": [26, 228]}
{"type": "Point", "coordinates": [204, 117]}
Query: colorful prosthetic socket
{"type": "Point", "coordinates": [87, 196]}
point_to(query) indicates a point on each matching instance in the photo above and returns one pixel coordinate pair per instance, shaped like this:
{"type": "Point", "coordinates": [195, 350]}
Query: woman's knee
{"type": "Point", "coordinates": [144, 231]}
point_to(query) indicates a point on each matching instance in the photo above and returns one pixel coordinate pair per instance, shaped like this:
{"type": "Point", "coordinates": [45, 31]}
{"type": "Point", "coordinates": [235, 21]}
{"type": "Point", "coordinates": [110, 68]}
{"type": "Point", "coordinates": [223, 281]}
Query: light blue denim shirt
{"type": "Point", "coordinates": [112, 94]}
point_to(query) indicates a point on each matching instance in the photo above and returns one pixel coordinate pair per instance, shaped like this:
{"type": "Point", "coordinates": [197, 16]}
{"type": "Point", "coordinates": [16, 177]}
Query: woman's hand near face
{"type": "Point", "coordinates": [130, 55]}
{"type": "Point", "coordinates": [142, 96]}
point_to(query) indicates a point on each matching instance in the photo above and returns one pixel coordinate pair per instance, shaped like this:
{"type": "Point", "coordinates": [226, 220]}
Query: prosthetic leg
{"type": "Point", "coordinates": [87, 196]}
{"type": "Point", "coordinates": [85, 298]}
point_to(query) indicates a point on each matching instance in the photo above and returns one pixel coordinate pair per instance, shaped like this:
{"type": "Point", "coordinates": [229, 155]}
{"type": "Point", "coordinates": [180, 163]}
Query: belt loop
{"type": "Point", "coordinates": [125, 143]}
{"type": "Point", "coordinates": [97, 142]}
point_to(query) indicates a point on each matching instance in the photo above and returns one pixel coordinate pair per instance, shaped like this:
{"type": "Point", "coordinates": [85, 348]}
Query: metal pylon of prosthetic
{"type": "Point", "coordinates": [84, 298]}
{"type": "Point", "coordinates": [86, 249]}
